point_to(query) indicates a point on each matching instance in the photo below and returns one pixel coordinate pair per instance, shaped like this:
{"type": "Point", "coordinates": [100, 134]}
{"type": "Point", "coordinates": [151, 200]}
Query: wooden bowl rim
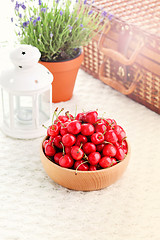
{"type": "Point", "coordinates": [85, 172]}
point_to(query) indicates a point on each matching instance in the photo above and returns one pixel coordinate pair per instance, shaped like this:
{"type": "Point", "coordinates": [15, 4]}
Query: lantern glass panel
{"type": "Point", "coordinates": [5, 107]}
{"type": "Point", "coordinates": [44, 107]}
{"type": "Point", "coordinates": [23, 111]}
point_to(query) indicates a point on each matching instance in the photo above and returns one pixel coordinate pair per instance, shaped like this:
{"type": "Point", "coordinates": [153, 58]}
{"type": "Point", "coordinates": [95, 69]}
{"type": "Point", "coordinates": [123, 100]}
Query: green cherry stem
{"type": "Point", "coordinates": [79, 166]}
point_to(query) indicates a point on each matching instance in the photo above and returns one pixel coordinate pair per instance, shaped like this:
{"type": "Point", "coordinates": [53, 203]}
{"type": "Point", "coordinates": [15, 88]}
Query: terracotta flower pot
{"type": "Point", "coordinates": [65, 74]}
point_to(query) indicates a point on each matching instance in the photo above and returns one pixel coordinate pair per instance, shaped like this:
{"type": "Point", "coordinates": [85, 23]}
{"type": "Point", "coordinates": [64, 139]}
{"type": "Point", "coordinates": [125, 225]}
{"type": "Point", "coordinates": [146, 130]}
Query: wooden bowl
{"type": "Point", "coordinates": [84, 180]}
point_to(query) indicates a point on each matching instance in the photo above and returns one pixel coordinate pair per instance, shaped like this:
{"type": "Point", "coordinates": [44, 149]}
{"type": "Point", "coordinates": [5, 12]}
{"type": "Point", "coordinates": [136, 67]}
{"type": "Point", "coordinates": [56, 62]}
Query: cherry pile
{"type": "Point", "coordinates": [85, 142]}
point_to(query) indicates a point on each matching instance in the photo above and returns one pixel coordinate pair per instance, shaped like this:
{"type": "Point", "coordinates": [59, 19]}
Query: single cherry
{"type": "Point", "coordinates": [109, 150]}
{"type": "Point", "coordinates": [58, 141]}
{"type": "Point", "coordinates": [92, 168]}
{"type": "Point", "coordinates": [53, 130]}
{"type": "Point", "coordinates": [100, 147]}
{"type": "Point", "coordinates": [114, 162]}
{"type": "Point", "coordinates": [87, 129]}
{"type": "Point", "coordinates": [100, 127]}
{"type": "Point", "coordinates": [68, 140]}
{"type": "Point", "coordinates": [111, 137]}
{"type": "Point", "coordinates": [89, 148]}
{"type": "Point", "coordinates": [97, 138]}
{"type": "Point", "coordinates": [57, 156]}
{"type": "Point", "coordinates": [66, 161]}
{"type": "Point", "coordinates": [80, 165]}
{"type": "Point", "coordinates": [120, 155]}
{"type": "Point", "coordinates": [63, 128]}
{"type": "Point", "coordinates": [74, 127]}
{"type": "Point", "coordinates": [105, 162]}
{"type": "Point", "coordinates": [77, 153]}
{"type": "Point", "coordinates": [81, 117]}
{"type": "Point", "coordinates": [94, 158]}
{"type": "Point", "coordinates": [92, 117]}
{"type": "Point", "coordinates": [80, 140]}
{"type": "Point", "coordinates": [49, 150]}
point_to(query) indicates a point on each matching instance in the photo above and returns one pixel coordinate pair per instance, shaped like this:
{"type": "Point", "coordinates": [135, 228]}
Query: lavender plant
{"type": "Point", "coordinates": [57, 28]}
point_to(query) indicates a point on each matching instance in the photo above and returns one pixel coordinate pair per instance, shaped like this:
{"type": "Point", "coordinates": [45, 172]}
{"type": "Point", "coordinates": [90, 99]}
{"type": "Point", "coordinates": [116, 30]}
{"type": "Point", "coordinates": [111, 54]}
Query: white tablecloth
{"type": "Point", "coordinates": [33, 207]}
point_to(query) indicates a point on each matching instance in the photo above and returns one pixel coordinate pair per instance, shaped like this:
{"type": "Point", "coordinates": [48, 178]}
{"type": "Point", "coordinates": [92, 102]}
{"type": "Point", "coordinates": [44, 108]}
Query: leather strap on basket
{"type": "Point", "coordinates": [117, 56]}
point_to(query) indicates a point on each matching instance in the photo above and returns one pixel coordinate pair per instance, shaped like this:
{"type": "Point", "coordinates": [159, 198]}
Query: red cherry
{"type": "Point", "coordinates": [57, 156]}
{"type": "Point", "coordinates": [87, 129]}
{"type": "Point", "coordinates": [92, 117]}
{"type": "Point", "coordinates": [58, 141]}
{"type": "Point", "coordinates": [68, 140]}
{"type": "Point", "coordinates": [80, 165]}
{"type": "Point", "coordinates": [63, 128]}
{"type": "Point", "coordinates": [81, 139]}
{"type": "Point", "coordinates": [89, 148]}
{"type": "Point", "coordinates": [92, 168]}
{"type": "Point", "coordinates": [97, 138]}
{"type": "Point", "coordinates": [67, 151]}
{"type": "Point", "coordinates": [120, 155]}
{"type": "Point", "coordinates": [81, 117]}
{"type": "Point", "coordinates": [66, 161]}
{"type": "Point", "coordinates": [124, 146]}
{"type": "Point", "coordinates": [114, 162]}
{"type": "Point", "coordinates": [61, 119]}
{"type": "Point", "coordinates": [121, 136]}
{"type": "Point", "coordinates": [77, 153]}
{"type": "Point", "coordinates": [94, 158]}
{"type": "Point", "coordinates": [109, 150]}
{"type": "Point", "coordinates": [111, 137]}
{"type": "Point", "coordinates": [100, 147]}
{"type": "Point", "coordinates": [49, 150]}
{"type": "Point", "coordinates": [44, 143]}
{"type": "Point", "coordinates": [111, 123]}
{"type": "Point", "coordinates": [74, 127]}
{"type": "Point", "coordinates": [102, 121]}
{"type": "Point", "coordinates": [101, 127]}
{"type": "Point", "coordinates": [105, 162]}
{"type": "Point", "coordinates": [117, 129]}
{"type": "Point", "coordinates": [53, 130]}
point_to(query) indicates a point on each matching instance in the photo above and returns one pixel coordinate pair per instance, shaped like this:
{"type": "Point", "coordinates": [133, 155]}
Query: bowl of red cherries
{"type": "Point", "coordinates": [84, 152]}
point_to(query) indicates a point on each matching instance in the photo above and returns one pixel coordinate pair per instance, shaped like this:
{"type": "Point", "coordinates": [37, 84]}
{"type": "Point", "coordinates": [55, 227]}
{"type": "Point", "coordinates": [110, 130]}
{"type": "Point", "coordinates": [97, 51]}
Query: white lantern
{"type": "Point", "coordinates": [26, 94]}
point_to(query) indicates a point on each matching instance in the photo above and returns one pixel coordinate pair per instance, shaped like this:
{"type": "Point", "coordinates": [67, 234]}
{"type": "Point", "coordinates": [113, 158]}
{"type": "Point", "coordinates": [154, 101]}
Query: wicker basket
{"type": "Point", "coordinates": [126, 55]}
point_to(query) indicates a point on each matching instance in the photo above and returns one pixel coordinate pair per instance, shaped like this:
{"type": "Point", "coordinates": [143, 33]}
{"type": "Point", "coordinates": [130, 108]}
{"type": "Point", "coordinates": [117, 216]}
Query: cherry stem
{"type": "Point", "coordinates": [108, 142]}
{"type": "Point", "coordinates": [79, 166]}
{"type": "Point", "coordinates": [59, 120]}
{"type": "Point", "coordinates": [54, 114]}
{"type": "Point", "coordinates": [60, 111]}
{"type": "Point", "coordinates": [44, 126]}
{"type": "Point", "coordinates": [63, 149]}
{"type": "Point", "coordinates": [85, 156]}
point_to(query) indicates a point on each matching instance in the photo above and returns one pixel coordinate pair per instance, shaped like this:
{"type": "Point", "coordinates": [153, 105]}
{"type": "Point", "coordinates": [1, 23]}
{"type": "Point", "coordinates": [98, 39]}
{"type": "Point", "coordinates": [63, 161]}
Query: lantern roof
{"type": "Point", "coordinates": [26, 75]}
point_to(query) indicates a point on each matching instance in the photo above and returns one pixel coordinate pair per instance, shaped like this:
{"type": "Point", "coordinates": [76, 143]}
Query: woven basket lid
{"type": "Point", "coordinates": [144, 14]}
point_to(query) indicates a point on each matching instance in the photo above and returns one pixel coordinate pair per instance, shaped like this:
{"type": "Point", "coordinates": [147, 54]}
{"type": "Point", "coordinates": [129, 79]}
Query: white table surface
{"type": "Point", "coordinates": [33, 207]}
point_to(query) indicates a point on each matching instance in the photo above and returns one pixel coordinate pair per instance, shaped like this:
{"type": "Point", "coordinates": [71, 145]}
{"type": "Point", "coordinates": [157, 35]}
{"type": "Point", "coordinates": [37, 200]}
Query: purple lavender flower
{"type": "Point", "coordinates": [34, 22]}
{"type": "Point", "coordinates": [110, 17]}
{"type": "Point", "coordinates": [51, 35]}
{"type": "Point", "coordinates": [43, 10]}
{"type": "Point", "coordinates": [104, 14]}
{"type": "Point", "coordinates": [19, 33]}
{"type": "Point", "coordinates": [90, 12]}
{"type": "Point", "coordinates": [81, 25]}
{"type": "Point", "coordinates": [12, 19]}
{"type": "Point", "coordinates": [57, 1]}
{"type": "Point", "coordinates": [40, 2]}
{"type": "Point", "coordinates": [31, 18]}
{"type": "Point", "coordinates": [20, 15]}
{"type": "Point", "coordinates": [17, 6]}
{"type": "Point", "coordinates": [38, 18]}
{"type": "Point", "coordinates": [61, 12]}
{"type": "Point", "coordinates": [85, 1]}
{"type": "Point", "coordinates": [70, 28]}
{"type": "Point", "coordinates": [23, 6]}
{"type": "Point", "coordinates": [25, 24]}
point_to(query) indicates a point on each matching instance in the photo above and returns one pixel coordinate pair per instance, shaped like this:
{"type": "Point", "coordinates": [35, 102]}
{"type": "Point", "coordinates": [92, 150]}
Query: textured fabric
{"type": "Point", "coordinates": [34, 207]}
